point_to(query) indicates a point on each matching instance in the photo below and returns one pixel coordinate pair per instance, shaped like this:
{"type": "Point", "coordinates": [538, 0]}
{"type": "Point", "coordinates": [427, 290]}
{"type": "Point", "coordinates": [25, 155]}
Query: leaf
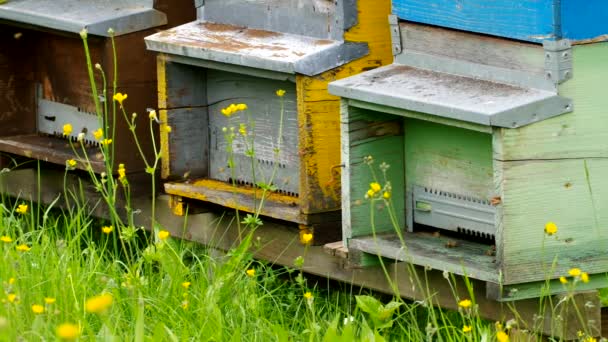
{"type": "Point", "coordinates": [331, 335]}
{"type": "Point", "coordinates": [368, 304]}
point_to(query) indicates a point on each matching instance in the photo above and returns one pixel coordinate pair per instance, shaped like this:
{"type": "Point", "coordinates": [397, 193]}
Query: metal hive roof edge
{"type": "Point", "coordinates": [452, 96]}
{"type": "Point", "coordinates": [261, 49]}
{"type": "Point", "coordinates": [97, 16]}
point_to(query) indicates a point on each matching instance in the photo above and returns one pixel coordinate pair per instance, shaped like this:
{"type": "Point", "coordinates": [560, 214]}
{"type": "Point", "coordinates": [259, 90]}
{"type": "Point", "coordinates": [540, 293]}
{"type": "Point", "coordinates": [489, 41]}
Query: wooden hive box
{"type": "Point", "coordinates": [44, 82]}
{"type": "Point", "coordinates": [488, 139]}
{"type": "Point", "coordinates": [242, 52]}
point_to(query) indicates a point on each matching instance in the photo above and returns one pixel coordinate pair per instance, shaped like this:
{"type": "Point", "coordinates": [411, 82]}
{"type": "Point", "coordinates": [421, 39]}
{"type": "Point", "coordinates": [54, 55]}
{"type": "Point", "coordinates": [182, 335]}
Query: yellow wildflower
{"type": "Point", "coordinates": [119, 97]}
{"type": "Point", "coordinates": [106, 142]}
{"type": "Point", "coordinates": [386, 195]}
{"type": "Point", "coordinates": [122, 172]}
{"type": "Point", "coordinates": [563, 280]}
{"type": "Point", "coordinates": [11, 280]}
{"type": "Point", "coordinates": [308, 295]}
{"type": "Point", "coordinates": [152, 115]}
{"type": "Point", "coordinates": [186, 284]}
{"type": "Point", "coordinates": [590, 339]}
{"type": "Point", "coordinates": [466, 329]}
{"type": "Point", "coordinates": [67, 129]}
{"type": "Point", "coordinates": [465, 303]}
{"type": "Point", "coordinates": [584, 277]}
{"type": "Point", "coordinates": [574, 272]}
{"type": "Point", "coordinates": [280, 92]}
{"type": "Point", "coordinates": [250, 272]}
{"type": "Point", "coordinates": [23, 248]}
{"type": "Point", "coordinates": [107, 229]}
{"type": "Point", "coordinates": [163, 235]}
{"type": "Point", "coordinates": [6, 239]}
{"type": "Point", "coordinates": [71, 163]}
{"type": "Point", "coordinates": [22, 209]}
{"type": "Point", "coordinates": [37, 309]}
{"type": "Point", "coordinates": [68, 331]}
{"type": "Point", "coordinates": [241, 106]}
{"type": "Point", "coordinates": [306, 238]}
{"type": "Point", "coordinates": [12, 298]}
{"type": "Point", "coordinates": [243, 129]}
{"type": "Point", "coordinates": [550, 228]}
{"type": "Point", "coordinates": [375, 187]}
{"type": "Point", "coordinates": [370, 193]}
{"type": "Point", "coordinates": [98, 304]}
{"type": "Point", "coordinates": [502, 336]}
{"type": "Point", "coordinates": [98, 134]}
{"type": "Point", "coordinates": [233, 108]}
{"type": "Point", "coordinates": [49, 300]}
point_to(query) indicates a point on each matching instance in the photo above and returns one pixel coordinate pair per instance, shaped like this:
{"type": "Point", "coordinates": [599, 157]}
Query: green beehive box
{"type": "Point", "coordinates": [487, 140]}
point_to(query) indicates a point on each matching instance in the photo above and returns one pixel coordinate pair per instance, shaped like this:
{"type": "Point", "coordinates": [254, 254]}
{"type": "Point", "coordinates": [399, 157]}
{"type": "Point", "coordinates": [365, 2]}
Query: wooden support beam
{"type": "Point", "coordinates": [280, 244]}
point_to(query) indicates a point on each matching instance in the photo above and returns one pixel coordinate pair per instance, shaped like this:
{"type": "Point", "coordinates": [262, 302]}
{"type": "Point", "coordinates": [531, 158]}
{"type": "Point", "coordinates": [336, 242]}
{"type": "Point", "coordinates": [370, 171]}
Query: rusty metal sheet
{"type": "Point", "coordinates": [452, 96]}
{"type": "Point", "coordinates": [261, 49]}
{"type": "Point", "coordinates": [97, 16]}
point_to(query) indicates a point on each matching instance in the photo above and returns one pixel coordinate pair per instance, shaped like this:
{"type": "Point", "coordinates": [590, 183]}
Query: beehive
{"type": "Point", "coordinates": [43, 73]}
{"type": "Point", "coordinates": [487, 139]}
{"type": "Point", "coordinates": [242, 52]}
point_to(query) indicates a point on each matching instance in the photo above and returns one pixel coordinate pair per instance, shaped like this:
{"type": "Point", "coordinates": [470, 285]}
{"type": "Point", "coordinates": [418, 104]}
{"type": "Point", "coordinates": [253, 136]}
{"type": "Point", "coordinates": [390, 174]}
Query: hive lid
{"type": "Point", "coordinates": [452, 96]}
{"type": "Point", "coordinates": [97, 16]}
{"type": "Point", "coordinates": [260, 49]}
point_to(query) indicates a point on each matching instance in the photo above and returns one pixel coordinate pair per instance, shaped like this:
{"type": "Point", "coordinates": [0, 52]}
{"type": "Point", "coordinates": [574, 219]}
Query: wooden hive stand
{"type": "Point", "coordinates": [44, 81]}
{"type": "Point", "coordinates": [243, 52]}
{"type": "Point", "coordinates": [488, 139]}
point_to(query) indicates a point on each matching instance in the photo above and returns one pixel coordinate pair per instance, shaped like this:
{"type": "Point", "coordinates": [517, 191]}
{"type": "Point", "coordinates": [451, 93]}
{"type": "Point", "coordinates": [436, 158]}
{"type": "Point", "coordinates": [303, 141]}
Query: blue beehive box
{"type": "Point", "coordinates": [529, 20]}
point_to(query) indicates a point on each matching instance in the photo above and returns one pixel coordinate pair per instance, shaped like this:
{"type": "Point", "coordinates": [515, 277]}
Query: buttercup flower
{"type": "Point", "coordinates": [98, 134]}
{"type": "Point", "coordinates": [107, 229]}
{"type": "Point", "coordinates": [563, 280]}
{"type": "Point", "coordinates": [186, 284]}
{"type": "Point", "coordinates": [466, 329]}
{"type": "Point", "coordinates": [119, 97]}
{"type": "Point", "coordinates": [23, 248]}
{"type": "Point", "coordinates": [550, 228]}
{"type": "Point", "coordinates": [12, 298]}
{"type": "Point", "coordinates": [67, 129]}
{"type": "Point", "coordinates": [37, 309]}
{"type": "Point", "coordinates": [68, 331]}
{"type": "Point", "coordinates": [98, 304]}
{"type": "Point", "coordinates": [106, 142]}
{"type": "Point", "coordinates": [163, 235]}
{"type": "Point", "coordinates": [22, 209]}
{"type": "Point", "coordinates": [306, 238]}
{"type": "Point", "coordinates": [122, 172]}
{"type": "Point", "coordinates": [71, 163]}
{"type": "Point", "coordinates": [574, 272]}
{"type": "Point", "coordinates": [584, 277]}
{"type": "Point", "coordinates": [375, 187]}
{"type": "Point", "coordinates": [233, 108]}
{"type": "Point", "coordinates": [501, 336]}
{"type": "Point", "coordinates": [6, 239]}
{"type": "Point", "coordinates": [308, 295]}
{"type": "Point", "coordinates": [465, 303]}
{"type": "Point", "coordinates": [280, 92]}
{"type": "Point", "coordinates": [49, 300]}
{"type": "Point", "coordinates": [386, 195]}
{"type": "Point", "coordinates": [241, 106]}
{"type": "Point", "coordinates": [250, 272]}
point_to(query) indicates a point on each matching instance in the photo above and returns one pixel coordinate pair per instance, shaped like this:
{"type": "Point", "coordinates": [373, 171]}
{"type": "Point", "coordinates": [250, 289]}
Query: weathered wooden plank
{"type": "Point", "coordinates": [384, 146]}
{"type": "Point", "coordinates": [580, 134]}
{"type": "Point", "coordinates": [453, 255]}
{"type": "Point", "coordinates": [573, 193]}
{"type": "Point", "coordinates": [449, 159]}
{"type": "Point", "coordinates": [530, 20]}
{"type": "Point", "coordinates": [262, 124]}
{"type": "Point", "coordinates": [319, 111]}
